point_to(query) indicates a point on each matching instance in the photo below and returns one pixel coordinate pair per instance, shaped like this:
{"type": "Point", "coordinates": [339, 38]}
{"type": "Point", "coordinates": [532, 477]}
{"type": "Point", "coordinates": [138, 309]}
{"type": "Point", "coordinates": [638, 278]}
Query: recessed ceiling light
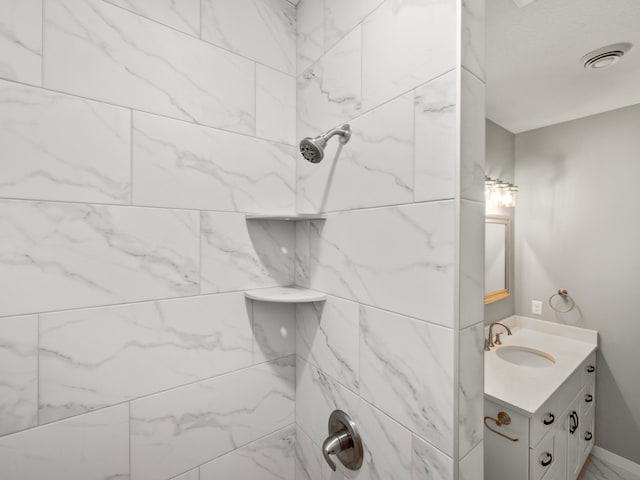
{"type": "Point", "coordinates": [606, 56]}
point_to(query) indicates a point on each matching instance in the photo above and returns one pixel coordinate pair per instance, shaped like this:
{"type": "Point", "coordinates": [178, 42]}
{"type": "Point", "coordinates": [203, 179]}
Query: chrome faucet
{"type": "Point", "coordinates": [489, 342]}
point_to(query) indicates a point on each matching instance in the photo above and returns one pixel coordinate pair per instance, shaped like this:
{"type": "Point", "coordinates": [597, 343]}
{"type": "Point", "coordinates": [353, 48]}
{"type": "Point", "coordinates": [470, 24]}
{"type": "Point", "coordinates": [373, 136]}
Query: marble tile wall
{"type": "Point", "coordinates": [135, 136]}
{"type": "Point", "coordinates": [398, 343]}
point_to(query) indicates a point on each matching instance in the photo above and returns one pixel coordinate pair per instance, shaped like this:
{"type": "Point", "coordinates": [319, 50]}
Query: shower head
{"type": "Point", "coordinates": [312, 149]}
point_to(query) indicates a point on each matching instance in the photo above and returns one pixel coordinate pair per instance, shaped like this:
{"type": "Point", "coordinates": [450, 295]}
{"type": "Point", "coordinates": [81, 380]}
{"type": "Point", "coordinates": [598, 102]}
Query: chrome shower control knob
{"type": "Point", "coordinates": [343, 441]}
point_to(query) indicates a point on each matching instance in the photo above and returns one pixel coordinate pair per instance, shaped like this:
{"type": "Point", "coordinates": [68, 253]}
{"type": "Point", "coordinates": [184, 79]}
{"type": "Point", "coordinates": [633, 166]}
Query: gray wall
{"type": "Point", "coordinates": [578, 228]}
{"type": "Point", "coordinates": [500, 163]}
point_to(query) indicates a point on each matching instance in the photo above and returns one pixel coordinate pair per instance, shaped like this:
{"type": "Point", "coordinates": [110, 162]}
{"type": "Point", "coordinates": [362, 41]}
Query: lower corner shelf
{"type": "Point", "coordinates": [285, 295]}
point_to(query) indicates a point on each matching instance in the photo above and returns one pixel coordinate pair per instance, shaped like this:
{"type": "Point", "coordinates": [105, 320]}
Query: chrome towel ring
{"type": "Point", "coordinates": [562, 293]}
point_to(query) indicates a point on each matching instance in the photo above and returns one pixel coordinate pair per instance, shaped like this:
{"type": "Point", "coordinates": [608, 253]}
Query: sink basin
{"type": "Point", "coordinates": [526, 357]}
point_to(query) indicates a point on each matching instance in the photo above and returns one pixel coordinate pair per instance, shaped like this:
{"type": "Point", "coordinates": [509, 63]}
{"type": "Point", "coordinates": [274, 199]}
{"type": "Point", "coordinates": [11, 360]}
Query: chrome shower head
{"type": "Point", "coordinates": [312, 149]}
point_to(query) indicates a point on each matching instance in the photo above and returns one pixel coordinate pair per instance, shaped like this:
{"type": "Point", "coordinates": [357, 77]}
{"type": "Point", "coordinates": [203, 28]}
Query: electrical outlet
{"type": "Point", "coordinates": [536, 307]}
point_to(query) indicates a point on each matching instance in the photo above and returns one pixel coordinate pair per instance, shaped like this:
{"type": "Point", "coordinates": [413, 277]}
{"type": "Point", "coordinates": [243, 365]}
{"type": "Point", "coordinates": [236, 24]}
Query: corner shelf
{"type": "Point", "coordinates": [294, 217]}
{"type": "Point", "coordinates": [285, 295]}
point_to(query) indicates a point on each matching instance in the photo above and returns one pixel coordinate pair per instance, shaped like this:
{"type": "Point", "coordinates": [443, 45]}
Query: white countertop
{"type": "Point", "coordinates": [524, 388]}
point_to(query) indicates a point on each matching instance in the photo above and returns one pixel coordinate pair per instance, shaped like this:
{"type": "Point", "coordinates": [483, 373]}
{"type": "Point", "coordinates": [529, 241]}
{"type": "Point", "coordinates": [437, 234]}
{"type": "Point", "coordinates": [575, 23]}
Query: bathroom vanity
{"type": "Point", "coordinates": [539, 401]}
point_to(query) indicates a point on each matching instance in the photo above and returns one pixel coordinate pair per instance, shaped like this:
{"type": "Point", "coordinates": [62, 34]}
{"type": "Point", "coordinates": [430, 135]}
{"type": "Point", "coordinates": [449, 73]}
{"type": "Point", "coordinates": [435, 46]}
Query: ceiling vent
{"type": "Point", "coordinates": [606, 56]}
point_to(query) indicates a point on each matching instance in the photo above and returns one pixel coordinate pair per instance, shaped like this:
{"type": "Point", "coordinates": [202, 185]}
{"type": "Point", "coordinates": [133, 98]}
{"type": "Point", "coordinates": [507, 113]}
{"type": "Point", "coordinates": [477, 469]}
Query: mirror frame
{"type": "Point", "coordinates": [491, 297]}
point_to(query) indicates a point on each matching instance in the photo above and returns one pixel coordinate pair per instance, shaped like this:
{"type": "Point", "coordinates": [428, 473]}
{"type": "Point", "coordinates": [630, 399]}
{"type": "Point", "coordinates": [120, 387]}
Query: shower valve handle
{"type": "Point", "coordinates": [343, 442]}
{"type": "Point", "coordinates": [335, 444]}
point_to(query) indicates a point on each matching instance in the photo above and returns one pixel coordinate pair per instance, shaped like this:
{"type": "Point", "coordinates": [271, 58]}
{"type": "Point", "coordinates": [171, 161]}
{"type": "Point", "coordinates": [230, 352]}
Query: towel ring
{"type": "Point", "coordinates": [562, 293]}
{"type": "Point", "coordinates": [503, 419]}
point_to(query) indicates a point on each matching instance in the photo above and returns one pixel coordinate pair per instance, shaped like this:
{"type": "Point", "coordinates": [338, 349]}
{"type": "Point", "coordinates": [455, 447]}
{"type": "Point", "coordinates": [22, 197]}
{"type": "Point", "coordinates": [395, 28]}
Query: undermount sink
{"type": "Point", "coordinates": [526, 357]}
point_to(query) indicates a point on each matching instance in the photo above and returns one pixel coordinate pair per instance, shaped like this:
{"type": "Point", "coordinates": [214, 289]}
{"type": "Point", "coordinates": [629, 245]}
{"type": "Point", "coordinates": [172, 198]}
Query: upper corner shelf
{"type": "Point", "coordinates": [294, 217]}
{"type": "Point", "coordinates": [285, 295]}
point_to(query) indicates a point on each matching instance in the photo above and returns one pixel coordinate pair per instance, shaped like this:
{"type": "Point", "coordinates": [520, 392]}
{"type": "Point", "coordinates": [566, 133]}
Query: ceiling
{"type": "Point", "coordinates": [534, 74]}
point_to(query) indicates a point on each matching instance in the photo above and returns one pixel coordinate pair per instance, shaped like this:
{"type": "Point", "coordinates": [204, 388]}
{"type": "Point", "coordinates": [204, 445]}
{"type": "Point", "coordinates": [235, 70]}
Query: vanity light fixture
{"type": "Point", "coordinates": [499, 193]}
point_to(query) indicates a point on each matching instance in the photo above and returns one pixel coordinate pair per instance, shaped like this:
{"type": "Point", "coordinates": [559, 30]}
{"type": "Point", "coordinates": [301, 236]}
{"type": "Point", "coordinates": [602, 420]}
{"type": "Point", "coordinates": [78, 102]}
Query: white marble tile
{"type": "Point", "coordinates": [179, 164]}
{"type": "Point", "coordinates": [374, 168]}
{"type": "Point", "coordinates": [190, 475]}
{"type": "Point", "coordinates": [471, 388]}
{"type": "Point", "coordinates": [341, 17]}
{"type": "Point", "coordinates": [264, 30]}
{"type": "Point", "coordinates": [270, 458]}
{"type": "Point", "coordinates": [182, 15]}
{"type": "Point", "coordinates": [429, 463]}
{"type": "Point", "coordinates": [473, 36]}
{"type": "Point", "coordinates": [309, 461]}
{"type": "Point", "coordinates": [328, 93]}
{"type": "Point", "coordinates": [404, 44]}
{"type": "Point", "coordinates": [435, 139]}
{"type": "Point", "coordinates": [471, 275]}
{"type": "Point", "coordinates": [472, 466]}
{"type": "Point", "coordinates": [472, 137]}
{"type": "Point", "coordinates": [275, 105]}
{"type": "Point", "coordinates": [310, 33]}
{"type": "Point", "coordinates": [274, 330]}
{"type": "Point", "coordinates": [174, 431]}
{"type": "Point", "coordinates": [94, 446]}
{"type": "Point", "coordinates": [317, 395]}
{"type": "Point", "coordinates": [387, 445]}
{"type": "Point", "coordinates": [59, 147]}
{"type": "Point", "coordinates": [128, 351]}
{"type": "Point", "coordinates": [397, 258]}
{"type": "Point", "coordinates": [303, 253]}
{"type": "Point", "coordinates": [238, 254]}
{"type": "Point", "coordinates": [59, 256]}
{"type": "Point", "coordinates": [406, 370]}
{"type": "Point", "coordinates": [18, 373]}
{"type": "Point", "coordinates": [327, 336]}
{"type": "Point", "coordinates": [21, 40]}
{"type": "Point", "coordinates": [101, 51]}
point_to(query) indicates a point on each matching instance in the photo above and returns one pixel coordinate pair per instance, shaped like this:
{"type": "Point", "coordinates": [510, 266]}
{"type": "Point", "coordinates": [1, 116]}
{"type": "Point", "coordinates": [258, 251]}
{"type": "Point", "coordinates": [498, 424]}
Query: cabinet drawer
{"type": "Point", "coordinates": [548, 416]}
{"type": "Point", "coordinates": [543, 457]}
{"type": "Point", "coordinates": [588, 369]}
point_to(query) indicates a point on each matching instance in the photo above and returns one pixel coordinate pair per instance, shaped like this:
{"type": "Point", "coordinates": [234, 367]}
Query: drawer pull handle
{"type": "Point", "coordinates": [503, 419]}
{"type": "Point", "coordinates": [588, 436]}
{"type": "Point", "coordinates": [574, 422]}
{"type": "Point", "coordinates": [588, 398]}
{"type": "Point", "coordinates": [547, 461]}
{"type": "Point", "coordinates": [591, 369]}
{"type": "Point", "coordinates": [550, 419]}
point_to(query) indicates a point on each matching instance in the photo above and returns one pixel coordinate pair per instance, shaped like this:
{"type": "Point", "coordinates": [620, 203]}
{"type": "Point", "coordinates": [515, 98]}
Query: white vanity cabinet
{"type": "Point", "coordinates": [554, 442]}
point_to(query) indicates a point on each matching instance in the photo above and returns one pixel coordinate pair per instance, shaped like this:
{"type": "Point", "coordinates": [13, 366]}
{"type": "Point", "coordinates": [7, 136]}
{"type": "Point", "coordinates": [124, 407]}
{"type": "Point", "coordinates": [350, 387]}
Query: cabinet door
{"type": "Point", "coordinates": [560, 469]}
{"type": "Point", "coordinates": [587, 435]}
{"type": "Point", "coordinates": [574, 443]}
{"type": "Point", "coordinates": [505, 459]}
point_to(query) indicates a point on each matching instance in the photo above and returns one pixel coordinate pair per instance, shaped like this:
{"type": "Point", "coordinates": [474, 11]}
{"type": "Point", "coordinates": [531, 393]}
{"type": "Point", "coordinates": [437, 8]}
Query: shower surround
{"type": "Point", "coordinates": [136, 135]}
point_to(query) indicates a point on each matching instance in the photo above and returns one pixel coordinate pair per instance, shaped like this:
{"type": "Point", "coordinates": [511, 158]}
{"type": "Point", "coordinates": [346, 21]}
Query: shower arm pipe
{"type": "Point", "coordinates": [344, 132]}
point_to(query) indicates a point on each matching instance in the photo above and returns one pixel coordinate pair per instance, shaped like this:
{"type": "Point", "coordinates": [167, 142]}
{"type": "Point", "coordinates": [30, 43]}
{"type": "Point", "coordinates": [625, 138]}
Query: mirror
{"type": "Point", "coordinates": [496, 259]}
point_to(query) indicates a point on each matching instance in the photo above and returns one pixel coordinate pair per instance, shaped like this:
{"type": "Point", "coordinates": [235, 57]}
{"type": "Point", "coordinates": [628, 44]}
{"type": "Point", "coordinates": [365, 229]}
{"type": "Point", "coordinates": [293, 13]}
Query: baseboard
{"type": "Point", "coordinates": [616, 460]}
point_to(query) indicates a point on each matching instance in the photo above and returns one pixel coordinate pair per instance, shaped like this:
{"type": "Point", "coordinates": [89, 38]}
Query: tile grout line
{"type": "Point", "coordinates": [131, 158]}
{"type": "Point", "coordinates": [38, 377]}
{"type": "Point", "coordinates": [129, 438]}
{"type": "Point", "coordinates": [152, 394]}
{"type": "Point", "coordinates": [77, 96]}
{"type": "Point", "coordinates": [194, 37]}
{"type": "Point", "coordinates": [42, 29]}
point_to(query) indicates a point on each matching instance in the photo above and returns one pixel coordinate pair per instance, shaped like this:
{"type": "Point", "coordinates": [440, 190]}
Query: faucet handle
{"type": "Point", "coordinates": [334, 444]}
{"type": "Point", "coordinates": [343, 441]}
{"type": "Point", "coordinates": [497, 341]}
